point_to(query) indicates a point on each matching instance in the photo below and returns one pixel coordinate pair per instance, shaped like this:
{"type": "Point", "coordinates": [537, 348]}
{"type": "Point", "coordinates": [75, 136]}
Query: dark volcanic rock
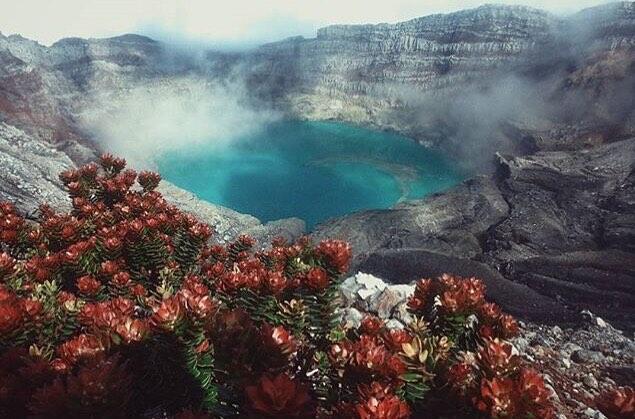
{"type": "Point", "coordinates": [559, 200]}
{"type": "Point", "coordinates": [407, 265]}
{"type": "Point", "coordinates": [450, 223]}
{"type": "Point", "coordinates": [560, 223]}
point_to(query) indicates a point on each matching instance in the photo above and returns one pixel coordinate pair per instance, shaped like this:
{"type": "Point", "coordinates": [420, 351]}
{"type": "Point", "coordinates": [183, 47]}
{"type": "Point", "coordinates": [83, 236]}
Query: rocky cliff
{"type": "Point", "coordinates": [509, 73]}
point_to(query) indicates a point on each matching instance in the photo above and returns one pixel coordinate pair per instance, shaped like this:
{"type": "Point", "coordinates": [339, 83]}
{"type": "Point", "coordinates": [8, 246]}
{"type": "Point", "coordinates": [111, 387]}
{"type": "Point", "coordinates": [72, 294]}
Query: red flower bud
{"type": "Point", "coordinates": [88, 285]}
{"type": "Point", "coordinates": [121, 279]}
{"type": "Point", "coordinates": [371, 325]}
{"type": "Point", "coordinates": [279, 396]}
{"type": "Point", "coordinates": [317, 279]}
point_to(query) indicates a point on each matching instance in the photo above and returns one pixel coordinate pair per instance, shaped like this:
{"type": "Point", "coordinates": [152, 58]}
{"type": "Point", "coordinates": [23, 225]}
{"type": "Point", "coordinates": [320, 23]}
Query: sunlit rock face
{"type": "Point", "coordinates": [510, 73]}
{"type": "Point", "coordinates": [432, 52]}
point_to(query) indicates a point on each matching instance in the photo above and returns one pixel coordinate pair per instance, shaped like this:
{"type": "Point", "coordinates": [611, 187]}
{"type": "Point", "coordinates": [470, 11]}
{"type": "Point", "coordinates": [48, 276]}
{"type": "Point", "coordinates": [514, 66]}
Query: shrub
{"type": "Point", "coordinates": [123, 308]}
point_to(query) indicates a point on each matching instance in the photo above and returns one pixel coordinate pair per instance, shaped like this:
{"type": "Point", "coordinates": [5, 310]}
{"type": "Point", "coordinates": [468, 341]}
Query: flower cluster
{"type": "Point", "coordinates": [125, 273]}
{"type": "Point", "coordinates": [124, 306]}
{"type": "Point", "coordinates": [452, 298]}
{"type": "Point", "coordinates": [618, 403]}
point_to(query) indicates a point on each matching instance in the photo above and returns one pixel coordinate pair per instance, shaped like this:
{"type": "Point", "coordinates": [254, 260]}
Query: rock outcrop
{"type": "Point", "coordinates": [560, 223]}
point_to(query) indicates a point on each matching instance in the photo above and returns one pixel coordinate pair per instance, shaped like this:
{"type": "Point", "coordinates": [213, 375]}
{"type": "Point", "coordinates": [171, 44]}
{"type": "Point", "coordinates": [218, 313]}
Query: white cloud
{"type": "Point", "coordinates": [222, 20]}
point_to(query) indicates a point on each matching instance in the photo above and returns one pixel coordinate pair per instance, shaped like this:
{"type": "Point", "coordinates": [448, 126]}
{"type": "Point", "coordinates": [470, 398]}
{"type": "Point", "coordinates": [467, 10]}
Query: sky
{"type": "Point", "coordinates": [223, 21]}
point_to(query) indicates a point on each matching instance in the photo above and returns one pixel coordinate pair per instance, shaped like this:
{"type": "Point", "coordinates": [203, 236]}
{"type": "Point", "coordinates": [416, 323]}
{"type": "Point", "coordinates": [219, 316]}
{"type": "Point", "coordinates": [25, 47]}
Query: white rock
{"type": "Point", "coordinates": [365, 293]}
{"type": "Point", "coordinates": [394, 324]}
{"type": "Point", "coordinates": [595, 414]}
{"type": "Point", "coordinates": [370, 281]}
{"type": "Point", "coordinates": [590, 381]}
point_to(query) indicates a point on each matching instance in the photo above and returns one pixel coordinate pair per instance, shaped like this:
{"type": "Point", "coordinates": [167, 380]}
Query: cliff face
{"type": "Point", "coordinates": [430, 52]}
{"type": "Point", "coordinates": [516, 73]}
{"type": "Point", "coordinates": [423, 76]}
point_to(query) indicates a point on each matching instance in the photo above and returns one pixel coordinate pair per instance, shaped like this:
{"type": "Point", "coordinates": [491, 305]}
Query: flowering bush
{"type": "Point", "coordinates": [123, 308]}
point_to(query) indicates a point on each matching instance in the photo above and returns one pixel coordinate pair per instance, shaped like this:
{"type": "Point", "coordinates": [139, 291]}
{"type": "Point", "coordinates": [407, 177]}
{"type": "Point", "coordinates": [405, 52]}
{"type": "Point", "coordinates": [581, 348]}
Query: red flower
{"type": "Point", "coordinates": [31, 307]}
{"type": "Point", "coordinates": [278, 397]}
{"type": "Point", "coordinates": [371, 325]}
{"type": "Point", "coordinates": [121, 279]}
{"type": "Point", "coordinates": [369, 354]}
{"type": "Point", "coordinates": [317, 279]}
{"type": "Point", "coordinates": [68, 232]}
{"type": "Point", "coordinates": [396, 338]}
{"type": "Point", "coordinates": [200, 231]}
{"type": "Point", "coordinates": [88, 285]}
{"type": "Point", "coordinates": [80, 347]}
{"type": "Point", "coordinates": [201, 305]}
{"type": "Point", "coordinates": [89, 170]}
{"type": "Point", "coordinates": [168, 314]}
{"type": "Point", "coordinates": [149, 180]}
{"type": "Point", "coordinates": [496, 356]}
{"type": "Point", "coordinates": [394, 367]}
{"type": "Point", "coordinates": [110, 267]}
{"type": "Point", "coordinates": [337, 253]}
{"type": "Point", "coordinates": [508, 326]}
{"type": "Point", "coordinates": [112, 244]}
{"type": "Point", "coordinates": [246, 241]}
{"type": "Point", "coordinates": [60, 366]}
{"type": "Point", "coordinates": [276, 282]}
{"type": "Point", "coordinates": [497, 398]}
{"type": "Point", "coordinates": [64, 296]}
{"type": "Point", "coordinates": [462, 295]}
{"type": "Point", "coordinates": [532, 387]}
{"type": "Point", "coordinates": [111, 163]}
{"type": "Point", "coordinates": [6, 264]}
{"type": "Point", "coordinates": [10, 317]}
{"type": "Point", "coordinates": [202, 347]}
{"type": "Point", "coordinates": [386, 407]}
{"type": "Point", "coordinates": [490, 313]}
{"type": "Point", "coordinates": [138, 290]}
{"type": "Point", "coordinates": [278, 339]}
{"type": "Point", "coordinates": [422, 296]}
{"type": "Point", "coordinates": [132, 330]}
{"type": "Point", "coordinates": [461, 376]}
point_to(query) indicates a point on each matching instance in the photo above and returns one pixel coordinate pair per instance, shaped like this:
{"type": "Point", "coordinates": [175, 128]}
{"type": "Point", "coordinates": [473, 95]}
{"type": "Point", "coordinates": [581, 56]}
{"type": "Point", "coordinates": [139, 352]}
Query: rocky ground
{"type": "Point", "coordinates": [555, 230]}
{"type": "Point", "coordinates": [578, 362]}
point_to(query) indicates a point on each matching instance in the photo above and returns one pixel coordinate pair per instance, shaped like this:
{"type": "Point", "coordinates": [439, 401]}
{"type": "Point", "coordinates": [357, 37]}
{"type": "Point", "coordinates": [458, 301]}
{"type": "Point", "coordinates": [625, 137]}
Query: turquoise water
{"type": "Point", "coordinates": [310, 170]}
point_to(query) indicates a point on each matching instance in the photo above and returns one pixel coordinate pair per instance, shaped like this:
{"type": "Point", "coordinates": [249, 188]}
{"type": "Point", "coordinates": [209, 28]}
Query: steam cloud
{"type": "Point", "coordinates": [551, 88]}
{"type": "Point", "coordinates": [173, 114]}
